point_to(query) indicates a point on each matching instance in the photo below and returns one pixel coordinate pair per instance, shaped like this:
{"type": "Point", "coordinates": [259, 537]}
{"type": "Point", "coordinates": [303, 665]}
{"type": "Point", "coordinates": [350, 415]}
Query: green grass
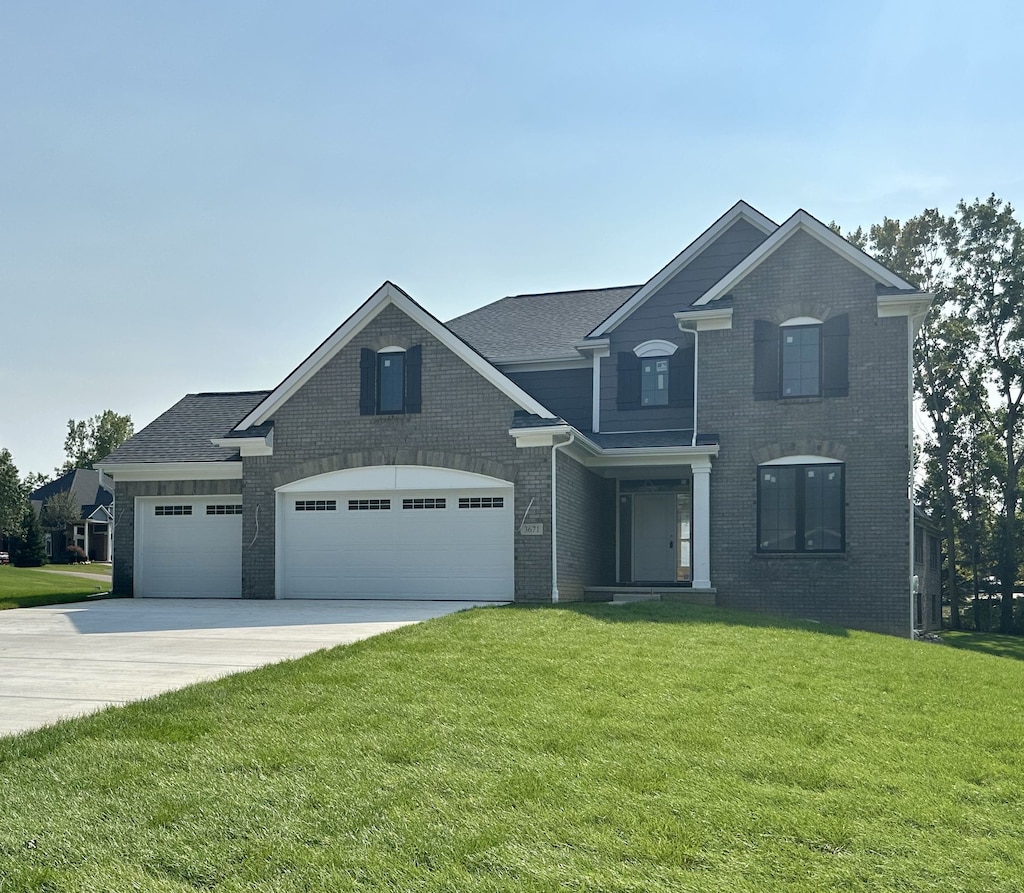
{"type": "Point", "coordinates": [24, 587]}
{"type": "Point", "coordinates": [101, 570]}
{"type": "Point", "coordinates": [649, 747]}
{"type": "Point", "coordinates": [987, 643]}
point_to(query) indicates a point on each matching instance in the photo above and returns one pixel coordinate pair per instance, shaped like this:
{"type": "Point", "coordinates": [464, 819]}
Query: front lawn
{"type": "Point", "coordinates": [996, 644]}
{"type": "Point", "coordinates": [648, 747]}
{"type": "Point", "coordinates": [92, 567]}
{"type": "Point", "coordinates": [30, 587]}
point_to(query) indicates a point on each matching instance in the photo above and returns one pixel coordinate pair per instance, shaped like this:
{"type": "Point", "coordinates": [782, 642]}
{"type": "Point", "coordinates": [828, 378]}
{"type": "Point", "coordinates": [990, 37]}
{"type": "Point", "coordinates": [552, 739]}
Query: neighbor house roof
{"type": "Point", "coordinates": [183, 433]}
{"type": "Point", "coordinates": [89, 487]}
{"type": "Point", "coordinates": [538, 327]}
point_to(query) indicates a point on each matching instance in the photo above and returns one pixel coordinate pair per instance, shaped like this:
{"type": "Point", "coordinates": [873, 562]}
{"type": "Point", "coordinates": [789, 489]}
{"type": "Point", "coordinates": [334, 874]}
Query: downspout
{"type": "Point", "coordinates": [696, 366]}
{"type": "Point", "coordinates": [913, 323]}
{"type": "Point", "coordinates": [554, 526]}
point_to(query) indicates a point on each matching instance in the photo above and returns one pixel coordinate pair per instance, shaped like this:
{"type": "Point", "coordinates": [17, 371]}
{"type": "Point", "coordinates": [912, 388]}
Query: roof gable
{"type": "Point", "coordinates": [802, 222]}
{"type": "Point", "coordinates": [740, 211]}
{"type": "Point", "coordinates": [387, 295]}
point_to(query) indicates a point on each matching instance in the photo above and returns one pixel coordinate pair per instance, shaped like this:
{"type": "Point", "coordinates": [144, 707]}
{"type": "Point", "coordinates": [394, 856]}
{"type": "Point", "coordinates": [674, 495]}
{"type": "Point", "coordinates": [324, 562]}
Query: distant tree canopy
{"type": "Point", "coordinates": [12, 497]}
{"type": "Point", "coordinates": [94, 439]}
{"type": "Point", "coordinates": [59, 511]}
{"type": "Point", "coordinates": [969, 377]}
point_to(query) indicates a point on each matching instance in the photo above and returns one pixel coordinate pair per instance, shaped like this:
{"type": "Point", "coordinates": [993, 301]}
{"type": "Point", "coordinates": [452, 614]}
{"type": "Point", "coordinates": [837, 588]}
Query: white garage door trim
{"type": "Point", "coordinates": [188, 547]}
{"type": "Point", "coordinates": [405, 531]}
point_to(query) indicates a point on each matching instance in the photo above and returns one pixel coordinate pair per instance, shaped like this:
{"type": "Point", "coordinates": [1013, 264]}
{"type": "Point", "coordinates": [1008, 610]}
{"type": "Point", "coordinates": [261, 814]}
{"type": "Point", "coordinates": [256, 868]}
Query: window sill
{"type": "Point", "coordinates": [799, 400]}
{"type": "Point", "coordinates": [801, 556]}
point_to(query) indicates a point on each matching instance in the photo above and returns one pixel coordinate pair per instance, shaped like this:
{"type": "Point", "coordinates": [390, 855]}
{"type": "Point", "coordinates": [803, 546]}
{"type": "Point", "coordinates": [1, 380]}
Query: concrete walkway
{"type": "Point", "coordinates": [65, 660]}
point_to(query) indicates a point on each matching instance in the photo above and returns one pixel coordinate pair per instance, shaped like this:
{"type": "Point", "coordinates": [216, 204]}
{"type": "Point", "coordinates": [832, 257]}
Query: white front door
{"type": "Point", "coordinates": [654, 537]}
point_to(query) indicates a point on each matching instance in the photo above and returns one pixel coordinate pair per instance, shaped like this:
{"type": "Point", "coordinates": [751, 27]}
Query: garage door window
{"type": "Point", "coordinates": [426, 503]}
{"type": "Point", "coordinates": [481, 502]}
{"type": "Point", "coordinates": [316, 505]}
{"type": "Point", "coordinates": [223, 510]}
{"type": "Point", "coordinates": [163, 511]}
{"type": "Point", "coordinates": [369, 505]}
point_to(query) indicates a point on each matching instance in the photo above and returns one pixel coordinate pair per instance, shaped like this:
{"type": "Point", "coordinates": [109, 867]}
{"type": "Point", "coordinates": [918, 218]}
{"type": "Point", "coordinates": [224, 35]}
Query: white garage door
{"type": "Point", "coordinates": [188, 547]}
{"type": "Point", "coordinates": [373, 533]}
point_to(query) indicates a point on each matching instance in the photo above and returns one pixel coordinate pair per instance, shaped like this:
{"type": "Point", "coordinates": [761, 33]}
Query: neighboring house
{"type": "Point", "coordinates": [94, 492]}
{"type": "Point", "coordinates": [734, 431]}
{"type": "Point", "coordinates": [927, 572]}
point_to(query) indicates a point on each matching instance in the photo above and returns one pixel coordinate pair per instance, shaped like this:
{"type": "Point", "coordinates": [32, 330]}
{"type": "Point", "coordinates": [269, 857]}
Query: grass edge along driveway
{"type": "Point", "coordinates": [31, 587]}
{"type": "Point", "coordinates": [647, 747]}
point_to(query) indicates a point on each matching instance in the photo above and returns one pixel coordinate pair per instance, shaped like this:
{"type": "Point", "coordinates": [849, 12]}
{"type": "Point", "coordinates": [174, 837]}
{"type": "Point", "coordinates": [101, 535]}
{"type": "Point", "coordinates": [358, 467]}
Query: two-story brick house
{"type": "Point", "coordinates": [737, 430]}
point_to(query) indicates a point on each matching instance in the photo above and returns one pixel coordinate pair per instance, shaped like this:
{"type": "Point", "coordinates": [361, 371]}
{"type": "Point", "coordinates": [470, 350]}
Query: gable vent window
{"type": "Point", "coordinates": [163, 511]}
{"type": "Point", "coordinates": [426, 503]}
{"type": "Point", "coordinates": [481, 502]}
{"type": "Point", "coordinates": [369, 505]}
{"type": "Point", "coordinates": [316, 505]}
{"type": "Point", "coordinates": [223, 510]}
{"type": "Point", "coordinates": [390, 381]}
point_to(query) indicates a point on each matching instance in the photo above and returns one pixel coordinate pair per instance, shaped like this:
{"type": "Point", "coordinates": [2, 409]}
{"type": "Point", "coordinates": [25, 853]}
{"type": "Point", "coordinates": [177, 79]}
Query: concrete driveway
{"type": "Point", "coordinates": [65, 660]}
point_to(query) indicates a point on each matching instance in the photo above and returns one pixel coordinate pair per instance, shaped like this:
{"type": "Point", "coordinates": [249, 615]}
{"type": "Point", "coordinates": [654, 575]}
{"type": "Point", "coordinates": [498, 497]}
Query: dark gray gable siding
{"type": "Point", "coordinates": [654, 319]}
{"type": "Point", "coordinates": [568, 393]}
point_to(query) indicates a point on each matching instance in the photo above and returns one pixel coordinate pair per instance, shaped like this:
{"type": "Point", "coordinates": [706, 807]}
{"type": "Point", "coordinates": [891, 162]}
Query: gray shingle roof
{"type": "Point", "coordinates": [183, 433]}
{"type": "Point", "coordinates": [541, 326]}
{"type": "Point", "coordinates": [88, 486]}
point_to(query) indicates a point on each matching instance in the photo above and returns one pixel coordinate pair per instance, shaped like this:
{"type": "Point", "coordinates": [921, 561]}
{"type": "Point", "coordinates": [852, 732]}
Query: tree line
{"type": "Point", "coordinates": [969, 383]}
{"type": "Point", "coordinates": [22, 530]}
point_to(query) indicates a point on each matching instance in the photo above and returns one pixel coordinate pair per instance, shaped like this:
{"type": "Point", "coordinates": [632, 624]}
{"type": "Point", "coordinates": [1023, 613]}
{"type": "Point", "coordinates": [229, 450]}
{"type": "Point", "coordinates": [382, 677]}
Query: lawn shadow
{"type": "Point", "coordinates": [995, 644]}
{"type": "Point", "coordinates": [681, 613]}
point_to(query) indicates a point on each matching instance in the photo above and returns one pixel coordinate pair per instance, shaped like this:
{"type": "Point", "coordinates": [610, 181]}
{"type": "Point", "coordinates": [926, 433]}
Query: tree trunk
{"type": "Point", "coordinates": [1008, 544]}
{"type": "Point", "coordinates": [947, 509]}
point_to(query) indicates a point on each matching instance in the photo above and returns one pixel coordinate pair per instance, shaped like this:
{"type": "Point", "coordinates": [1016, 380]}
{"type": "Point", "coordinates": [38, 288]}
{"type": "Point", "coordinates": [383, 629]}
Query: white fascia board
{"type": "Point", "coordinates": [704, 320]}
{"type": "Point", "coordinates": [903, 305]}
{"type": "Point", "coordinates": [740, 211]}
{"type": "Point", "coordinates": [540, 436]}
{"type": "Point", "coordinates": [246, 446]}
{"type": "Point", "coordinates": [801, 221]}
{"type": "Point", "coordinates": [594, 347]}
{"type": "Point", "coordinates": [542, 365]}
{"type": "Point", "coordinates": [386, 295]}
{"type": "Point", "coordinates": [174, 471]}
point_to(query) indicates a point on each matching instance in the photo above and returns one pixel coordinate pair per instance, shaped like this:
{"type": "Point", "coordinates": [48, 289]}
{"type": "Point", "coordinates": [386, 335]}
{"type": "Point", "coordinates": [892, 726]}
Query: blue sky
{"type": "Point", "coordinates": [194, 194]}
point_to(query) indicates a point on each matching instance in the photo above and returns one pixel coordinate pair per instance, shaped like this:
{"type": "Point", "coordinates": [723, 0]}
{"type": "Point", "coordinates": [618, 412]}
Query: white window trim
{"type": "Point", "coordinates": [803, 460]}
{"type": "Point", "coordinates": [392, 349]}
{"type": "Point", "coordinates": [656, 348]}
{"type": "Point", "coordinates": [801, 321]}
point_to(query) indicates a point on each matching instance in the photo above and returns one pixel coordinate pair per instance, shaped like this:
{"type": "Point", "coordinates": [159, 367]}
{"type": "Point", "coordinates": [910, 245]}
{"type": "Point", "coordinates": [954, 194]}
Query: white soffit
{"type": "Point", "coordinates": [394, 477]}
{"type": "Point", "coordinates": [386, 295]}
{"type": "Point", "coordinates": [740, 211]}
{"type": "Point", "coordinates": [801, 221]}
{"type": "Point", "coordinates": [174, 471]}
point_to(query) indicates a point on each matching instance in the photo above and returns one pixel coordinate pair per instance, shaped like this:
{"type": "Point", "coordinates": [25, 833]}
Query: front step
{"type": "Point", "coordinates": [626, 595]}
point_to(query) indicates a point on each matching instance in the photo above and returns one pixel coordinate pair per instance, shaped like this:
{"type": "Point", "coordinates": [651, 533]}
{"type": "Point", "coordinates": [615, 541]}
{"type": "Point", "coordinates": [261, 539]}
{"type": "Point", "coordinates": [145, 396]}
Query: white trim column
{"type": "Point", "coordinates": [701, 469]}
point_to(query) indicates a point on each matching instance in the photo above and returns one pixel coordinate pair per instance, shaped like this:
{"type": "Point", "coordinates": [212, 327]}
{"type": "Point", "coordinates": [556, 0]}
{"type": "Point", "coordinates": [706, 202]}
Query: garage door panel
{"type": "Point", "coordinates": [397, 552]}
{"type": "Point", "coordinates": [188, 551]}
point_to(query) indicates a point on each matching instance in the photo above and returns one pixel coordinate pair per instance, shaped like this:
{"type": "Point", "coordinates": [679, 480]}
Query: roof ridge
{"type": "Point", "coordinates": [572, 291]}
{"type": "Point", "coordinates": [228, 393]}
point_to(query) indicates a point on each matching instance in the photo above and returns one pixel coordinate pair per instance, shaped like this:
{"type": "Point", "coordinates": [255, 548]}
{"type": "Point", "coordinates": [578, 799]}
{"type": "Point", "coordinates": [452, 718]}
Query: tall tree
{"type": "Point", "coordinates": [12, 497]}
{"type": "Point", "coordinates": [28, 548]}
{"type": "Point", "coordinates": [59, 511]}
{"type": "Point", "coordinates": [94, 439]}
{"type": "Point", "coordinates": [985, 243]}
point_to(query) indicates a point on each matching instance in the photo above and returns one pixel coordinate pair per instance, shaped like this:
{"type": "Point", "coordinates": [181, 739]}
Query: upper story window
{"type": "Point", "coordinates": [389, 381]}
{"type": "Point", "coordinates": [800, 352]}
{"type": "Point", "coordinates": [803, 357]}
{"type": "Point", "coordinates": [655, 373]}
{"type": "Point", "coordinates": [801, 505]}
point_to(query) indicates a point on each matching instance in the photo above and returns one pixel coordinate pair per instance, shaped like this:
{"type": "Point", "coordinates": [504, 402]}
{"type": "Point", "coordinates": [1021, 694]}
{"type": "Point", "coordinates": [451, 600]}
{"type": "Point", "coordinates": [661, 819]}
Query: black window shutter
{"type": "Point", "coordinates": [766, 360]}
{"type": "Point", "coordinates": [835, 356]}
{"type": "Point", "coordinates": [680, 377]}
{"type": "Point", "coordinates": [367, 382]}
{"type": "Point", "coordinates": [629, 380]}
{"type": "Point", "coordinates": [413, 378]}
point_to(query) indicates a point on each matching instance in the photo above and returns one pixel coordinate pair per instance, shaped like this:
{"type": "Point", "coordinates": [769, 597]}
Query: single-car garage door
{"type": "Point", "coordinates": [188, 547]}
{"type": "Point", "coordinates": [396, 532]}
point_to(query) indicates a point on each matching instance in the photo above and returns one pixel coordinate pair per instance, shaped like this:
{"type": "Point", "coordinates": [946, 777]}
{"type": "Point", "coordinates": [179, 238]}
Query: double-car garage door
{"type": "Point", "coordinates": [396, 532]}
{"type": "Point", "coordinates": [382, 532]}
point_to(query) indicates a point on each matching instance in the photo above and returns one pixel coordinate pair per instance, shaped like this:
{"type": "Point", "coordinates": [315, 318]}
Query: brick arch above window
{"type": "Point", "coordinates": [772, 452]}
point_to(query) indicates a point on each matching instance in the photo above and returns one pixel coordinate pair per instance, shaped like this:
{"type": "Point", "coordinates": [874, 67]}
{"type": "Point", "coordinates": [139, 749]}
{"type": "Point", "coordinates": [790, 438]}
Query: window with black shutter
{"type": "Point", "coordinates": [390, 381]}
{"type": "Point", "coordinates": [803, 358]}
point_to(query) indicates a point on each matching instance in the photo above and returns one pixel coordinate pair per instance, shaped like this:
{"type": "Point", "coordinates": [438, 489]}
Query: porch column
{"type": "Point", "coordinates": [701, 469]}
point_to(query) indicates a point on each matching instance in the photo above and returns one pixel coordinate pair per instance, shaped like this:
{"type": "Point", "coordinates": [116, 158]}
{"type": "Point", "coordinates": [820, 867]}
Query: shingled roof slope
{"type": "Point", "coordinates": [183, 433]}
{"type": "Point", "coordinates": [538, 327]}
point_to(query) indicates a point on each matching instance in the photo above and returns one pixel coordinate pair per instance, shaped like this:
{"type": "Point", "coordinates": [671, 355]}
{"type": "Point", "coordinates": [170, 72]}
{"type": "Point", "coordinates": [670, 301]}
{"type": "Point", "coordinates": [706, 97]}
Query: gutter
{"type": "Point", "coordinates": [554, 514]}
